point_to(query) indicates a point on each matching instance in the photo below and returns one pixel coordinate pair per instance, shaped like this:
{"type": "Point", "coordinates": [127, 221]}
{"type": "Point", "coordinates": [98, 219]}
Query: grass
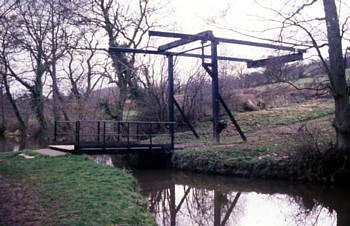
{"type": "Point", "coordinates": [273, 135]}
{"type": "Point", "coordinates": [77, 191]}
{"type": "Point", "coordinates": [289, 114]}
{"type": "Point", "coordinates": [251, 122]}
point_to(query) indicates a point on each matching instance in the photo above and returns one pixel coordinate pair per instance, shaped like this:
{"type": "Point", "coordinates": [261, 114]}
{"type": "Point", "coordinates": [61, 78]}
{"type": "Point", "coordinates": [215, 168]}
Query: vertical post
{"type": "Point", "coordinates": [137, 132]}
{"type": "Point", "coordinates": [55, 133]}
{"type": "Point", "coordinates": [215, 91]}
{"type": "Point", "coordinates": [150, 135]}
{"type": "Point", "coordinates": [118, 130]}
{"type": "Point", "coordinates": [77, 135]}
{"type": "Point", "coordinates": [128, 135]}
{"type": "Point", "coordinates": [104, 135]}
{"type": "Point", "coordinates": [171, 99]}
{"type": "Point", "coordinates": [98, 131]}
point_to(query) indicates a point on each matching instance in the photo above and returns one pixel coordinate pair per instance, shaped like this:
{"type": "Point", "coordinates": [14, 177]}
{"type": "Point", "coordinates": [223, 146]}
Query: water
{"type": "Point", "coordinates": [17, 144]}
{"type": "Point", "coordinates": [178, 198]}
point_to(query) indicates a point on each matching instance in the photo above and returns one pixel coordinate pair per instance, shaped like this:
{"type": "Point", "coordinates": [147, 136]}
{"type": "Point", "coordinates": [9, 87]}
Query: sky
{"type": "Point", "coordinates": [242, 14]}
{"type": "Point", "coordinates": [227, 19]}
{"type": "Point", "coordinates": [191, 13]}
{"type": "Point", "coordinates": [233, 18]}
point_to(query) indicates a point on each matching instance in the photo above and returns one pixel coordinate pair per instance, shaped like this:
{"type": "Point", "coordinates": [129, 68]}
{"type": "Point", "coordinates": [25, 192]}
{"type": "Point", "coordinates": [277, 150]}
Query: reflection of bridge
{"type": "Point", "coordinates": [219, 200]}
{"type": "Point", "coordinates": [113, 137]}
{"type": "Point", "coordinates": [166, 199]}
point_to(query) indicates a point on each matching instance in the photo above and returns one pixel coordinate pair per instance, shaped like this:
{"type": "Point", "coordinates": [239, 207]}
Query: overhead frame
{"type": "Point", "coordinates": [211, 68]}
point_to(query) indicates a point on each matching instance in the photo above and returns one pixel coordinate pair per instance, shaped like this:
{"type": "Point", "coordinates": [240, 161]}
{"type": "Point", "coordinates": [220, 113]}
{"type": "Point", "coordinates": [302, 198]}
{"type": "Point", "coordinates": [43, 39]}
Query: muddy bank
{"type": "Point", "coordinates": [18, 205]}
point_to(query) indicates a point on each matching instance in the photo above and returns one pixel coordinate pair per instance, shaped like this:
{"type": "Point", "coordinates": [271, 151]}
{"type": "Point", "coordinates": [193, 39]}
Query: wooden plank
{"type": "Point", "coordinates": [68, 148]}
{"type": "Point", "coordinates": [50, 152]}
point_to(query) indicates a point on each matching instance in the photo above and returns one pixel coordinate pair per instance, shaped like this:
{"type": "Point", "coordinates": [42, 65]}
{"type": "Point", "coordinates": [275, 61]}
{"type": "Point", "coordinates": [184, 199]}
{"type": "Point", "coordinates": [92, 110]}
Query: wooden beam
{"type": "Point", "coordinates": [156, 52]}
{"type": "Point", "coordinates": [274, 60]}
{"type": "Point", "coordinates": [185, 40]}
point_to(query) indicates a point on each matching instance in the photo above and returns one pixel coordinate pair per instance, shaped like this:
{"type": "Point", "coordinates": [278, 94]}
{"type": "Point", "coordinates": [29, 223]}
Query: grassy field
{"type": "Point", "coordinates": [274, 122]}
{"type": "Point", "coordinates": [74, 190]}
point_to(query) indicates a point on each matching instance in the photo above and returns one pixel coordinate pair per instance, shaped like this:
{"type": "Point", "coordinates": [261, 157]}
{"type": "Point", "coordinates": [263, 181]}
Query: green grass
{"type": "Point", "coordinates": [286, 115]}
{"type": "Point", "coordinates": [273, 134]}
{"type": "Point", "coordinates": [220, 159]}
{"type": "Point", "coordinates": [77, 191]}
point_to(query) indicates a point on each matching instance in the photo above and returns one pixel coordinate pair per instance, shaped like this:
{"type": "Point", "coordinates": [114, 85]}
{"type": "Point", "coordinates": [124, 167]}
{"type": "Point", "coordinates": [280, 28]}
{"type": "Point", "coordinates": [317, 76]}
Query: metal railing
{"type": "Point", "coordinates": [114, 134]}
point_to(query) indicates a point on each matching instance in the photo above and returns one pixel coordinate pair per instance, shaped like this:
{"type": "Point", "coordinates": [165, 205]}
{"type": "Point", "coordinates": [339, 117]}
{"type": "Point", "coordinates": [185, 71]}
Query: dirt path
{"type": "Point", "coordinates": [18, 206]}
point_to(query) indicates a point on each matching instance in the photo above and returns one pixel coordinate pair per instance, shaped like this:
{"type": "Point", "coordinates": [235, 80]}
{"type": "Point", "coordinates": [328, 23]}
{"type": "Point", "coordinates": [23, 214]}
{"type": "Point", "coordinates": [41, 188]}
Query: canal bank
{"type": "Point", "coordinates": [67, 190]}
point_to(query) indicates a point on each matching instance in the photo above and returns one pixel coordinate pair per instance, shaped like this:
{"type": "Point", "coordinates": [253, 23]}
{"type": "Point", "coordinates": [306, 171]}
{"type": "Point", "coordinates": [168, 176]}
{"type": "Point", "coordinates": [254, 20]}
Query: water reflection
{"type": "Point", "coordinates": [18, 143]}
{"type": "Point", "coordinates": [178, 198]}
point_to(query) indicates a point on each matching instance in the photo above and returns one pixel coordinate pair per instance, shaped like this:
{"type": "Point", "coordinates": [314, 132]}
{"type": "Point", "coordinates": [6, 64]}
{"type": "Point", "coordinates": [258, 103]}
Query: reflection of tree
{"type": "Point", "coordinates": [159, 204]}
{"type": "Point", "coordinates": [306, 211]}
{"type": "Point", "coordinates": [200, 207]}
{"type": "Point", "coordinates": [103, 159]}
{"type": "Point", "coordinates": [314, 216]}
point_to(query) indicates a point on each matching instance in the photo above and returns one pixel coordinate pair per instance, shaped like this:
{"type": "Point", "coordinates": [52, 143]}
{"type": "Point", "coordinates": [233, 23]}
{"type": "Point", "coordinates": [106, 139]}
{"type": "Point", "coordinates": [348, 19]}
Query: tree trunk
{"type": "Point", "coordinates": [2, 119]}
{"type": "Point", "coordinates": [337, 77]}
{"type": "Point", "coordinates": [123, 68]}
{"type": "Point", "coordinates": [20, 120]}
{"type": "Point", "coordinates": [123, 91]}
{"type": "Point", "coordinates": [38, 104]}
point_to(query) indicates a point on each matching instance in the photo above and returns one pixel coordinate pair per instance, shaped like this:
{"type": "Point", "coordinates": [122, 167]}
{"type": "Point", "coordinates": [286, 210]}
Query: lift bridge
{"type": "Point", "coordinates": [97, 137]}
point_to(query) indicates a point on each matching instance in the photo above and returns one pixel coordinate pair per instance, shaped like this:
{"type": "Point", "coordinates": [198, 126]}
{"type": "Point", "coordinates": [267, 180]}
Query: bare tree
{"type": "Point", "coordinates": [7, 6]}
{"type": "Point", "coordinates": [152, 98]}
{"type": "Point", "coordinates": [84, 73]}
{"type": "Point", "coordinates": [335, 65]}
{"type": "Point", "coordinates": [23, 54]}
{"type": "Point", "coordinates": [125, 25]}
{"type": "Point", "coordinates": [298, 24]}
{"type": "Point", "coordinates": [337, 76]}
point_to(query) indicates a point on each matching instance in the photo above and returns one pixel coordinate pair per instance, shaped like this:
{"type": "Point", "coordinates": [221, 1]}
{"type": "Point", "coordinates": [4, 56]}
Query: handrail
{"type": "Point", "coordinates": [111, 121]}
{"type": "Point", "coordinates": [114, 133]}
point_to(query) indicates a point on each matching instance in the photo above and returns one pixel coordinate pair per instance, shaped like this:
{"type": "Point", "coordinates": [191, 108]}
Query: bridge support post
{"type": "Point", "coordinates": [55, 132]}
{"type": "Point", "coordinates": [77, 138]}
{"type": "Point", "coordinates": [171, 99]}
{"type": "Point", "coordinates": [215, 91]}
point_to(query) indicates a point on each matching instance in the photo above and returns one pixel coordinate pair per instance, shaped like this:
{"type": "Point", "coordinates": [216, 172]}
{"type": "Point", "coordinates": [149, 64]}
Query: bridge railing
{"type": "Point", "coordinates": [109, 134]}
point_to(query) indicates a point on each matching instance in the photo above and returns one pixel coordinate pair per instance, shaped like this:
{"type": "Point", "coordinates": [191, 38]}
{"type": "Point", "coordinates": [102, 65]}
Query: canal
{"type": "Point", "coordinates": [187, 198]}
{"type": "Point", "coordinates": [184, 198]}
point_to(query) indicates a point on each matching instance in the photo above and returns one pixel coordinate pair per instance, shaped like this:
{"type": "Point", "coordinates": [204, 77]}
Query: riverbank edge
{"type": "Point", "coordinates": [306, 165]}
{"type": "Point", "coordinates": [75, 190]}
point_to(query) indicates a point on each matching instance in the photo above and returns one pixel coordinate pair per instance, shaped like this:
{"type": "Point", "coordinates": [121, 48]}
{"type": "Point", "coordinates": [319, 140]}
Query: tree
{"type": "Point", "coordinates": [301, 23]}
{"type": "Point", "coordinates": [302, 27]}
{"type": "Point", "coordinates": [6, 7]}
{"type": "Point", "coordinates": [334, 66]}
{"type": "Point", "coordinates": [125, 25]}
{"type": "Point", "coordinates": [30, 53]}
{"type": "Point", "coordinates": [152, 96]}
{"type": "Point", "coordinates": [337, 76]}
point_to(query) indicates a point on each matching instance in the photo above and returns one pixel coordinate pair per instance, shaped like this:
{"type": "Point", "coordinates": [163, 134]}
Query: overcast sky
{"type": "Point", "coordinates": [249, 17]}
{"type": "Point", "coordinates": [193, 16]}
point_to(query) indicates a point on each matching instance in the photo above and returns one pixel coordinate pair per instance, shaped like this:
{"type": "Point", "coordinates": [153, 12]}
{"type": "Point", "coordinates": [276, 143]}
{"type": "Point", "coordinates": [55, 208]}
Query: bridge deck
{"type": "Point", "coordinates": [113, 137]}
